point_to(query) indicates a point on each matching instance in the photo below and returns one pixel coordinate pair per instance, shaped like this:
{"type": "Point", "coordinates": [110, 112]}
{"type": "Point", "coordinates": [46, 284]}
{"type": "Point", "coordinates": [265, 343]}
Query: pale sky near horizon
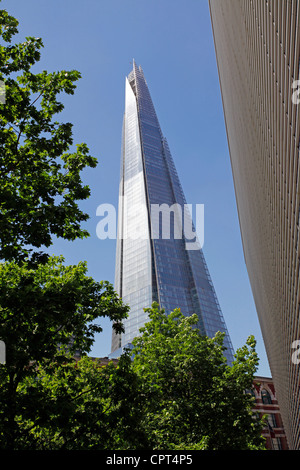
{"type": "Point", "coordinates": [172, 41]}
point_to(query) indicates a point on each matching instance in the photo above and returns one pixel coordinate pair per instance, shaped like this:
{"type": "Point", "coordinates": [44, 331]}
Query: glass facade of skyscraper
{"type": "Point", "coordinates": [151, 264]}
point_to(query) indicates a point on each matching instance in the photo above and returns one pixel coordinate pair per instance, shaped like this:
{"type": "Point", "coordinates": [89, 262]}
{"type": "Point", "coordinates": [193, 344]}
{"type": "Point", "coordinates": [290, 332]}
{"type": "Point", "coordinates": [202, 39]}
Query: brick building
{"type": "Point", "coordinates": [266, 404]}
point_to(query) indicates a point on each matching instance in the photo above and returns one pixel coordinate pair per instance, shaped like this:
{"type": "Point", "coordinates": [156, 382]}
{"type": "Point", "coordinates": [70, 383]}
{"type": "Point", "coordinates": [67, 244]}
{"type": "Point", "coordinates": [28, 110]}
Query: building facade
{"type": "Point", "coordinates": [257, 45]}
{"type": "Point", "coordinates": [158, 256]}
{"type": "Point", "coordinates": [266, 404]}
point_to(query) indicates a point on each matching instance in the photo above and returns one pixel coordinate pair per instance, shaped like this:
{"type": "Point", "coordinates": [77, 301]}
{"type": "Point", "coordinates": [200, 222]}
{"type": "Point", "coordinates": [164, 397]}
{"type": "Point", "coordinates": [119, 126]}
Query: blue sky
{"type": "Point", "coordinates": [172, 41]}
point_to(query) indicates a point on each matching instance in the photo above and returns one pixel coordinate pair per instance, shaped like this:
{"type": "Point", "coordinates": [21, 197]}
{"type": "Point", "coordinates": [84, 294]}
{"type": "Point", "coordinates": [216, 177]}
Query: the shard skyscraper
{"type": "Point", "coordinates": [153, 263]}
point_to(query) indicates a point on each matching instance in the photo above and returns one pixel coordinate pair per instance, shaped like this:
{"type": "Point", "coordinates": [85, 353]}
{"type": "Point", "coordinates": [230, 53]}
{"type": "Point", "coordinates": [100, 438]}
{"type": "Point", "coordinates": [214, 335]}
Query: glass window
{"type": "Point", "coordinates": [276, 444]}
{"type": "Point", "coordinates": [266, 397]}
{"type": "Point", "coordinates": [272, 420]}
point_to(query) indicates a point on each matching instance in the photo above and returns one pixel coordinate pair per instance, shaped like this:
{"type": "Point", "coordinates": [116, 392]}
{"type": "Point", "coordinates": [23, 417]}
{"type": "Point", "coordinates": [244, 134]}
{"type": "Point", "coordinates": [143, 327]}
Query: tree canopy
{"type": "Point", "coordinates": [40, 173]}
{"type": "Point", "coordinates": [48, 311]}
{"type": "Point", "coordinates": [76, 405]}
{"type": "Point", "coordinates": [173, 391]}
{"type": "Point", "coordinates": [193, 398]}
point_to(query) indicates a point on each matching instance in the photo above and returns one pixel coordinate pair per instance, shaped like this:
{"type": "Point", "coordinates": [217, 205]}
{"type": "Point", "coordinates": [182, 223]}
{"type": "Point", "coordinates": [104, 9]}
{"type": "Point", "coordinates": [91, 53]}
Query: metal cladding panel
{"type": "Point", "coordinates": [257, 46]}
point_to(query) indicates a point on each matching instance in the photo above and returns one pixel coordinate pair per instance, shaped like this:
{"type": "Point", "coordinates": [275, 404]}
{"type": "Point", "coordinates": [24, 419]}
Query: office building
{"type": "Point", "coordinates": [257, 45]}
{"type": "Point", "coordinates": [158, 257]}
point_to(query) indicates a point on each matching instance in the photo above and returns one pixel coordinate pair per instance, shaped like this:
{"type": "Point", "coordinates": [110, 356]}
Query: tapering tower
{"type": "Point", "coordinates": [156, 258]}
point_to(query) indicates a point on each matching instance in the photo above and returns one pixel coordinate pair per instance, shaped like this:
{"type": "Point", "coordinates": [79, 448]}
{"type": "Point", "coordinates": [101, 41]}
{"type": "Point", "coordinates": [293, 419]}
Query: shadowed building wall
{"type": "Point", "coordinates": [257, 46]}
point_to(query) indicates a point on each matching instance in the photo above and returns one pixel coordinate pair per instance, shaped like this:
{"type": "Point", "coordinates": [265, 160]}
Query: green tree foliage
{"type": "Point", "coordinates": [40, 180]}
{"type": "Point", "coordinates": [78, 406]}
{"type": "Point", "coordinates": [45, 312]}
{"type": "Point", "coordinates": [193, 398]}
{"type": "Point", "coordinates": [175, 393]}
{"type": "Point", "coordinates": [46, 308]}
